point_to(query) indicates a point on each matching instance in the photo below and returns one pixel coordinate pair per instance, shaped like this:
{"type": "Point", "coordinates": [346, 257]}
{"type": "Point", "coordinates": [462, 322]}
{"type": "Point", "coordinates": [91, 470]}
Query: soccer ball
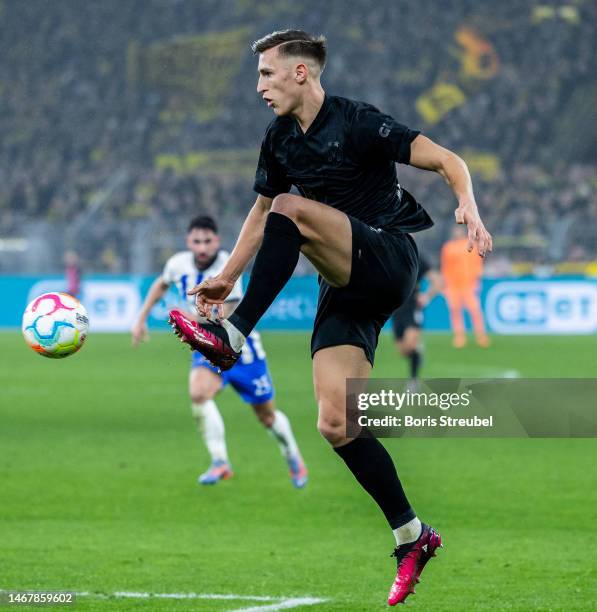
{"type": "Point", "coordinates": [55, 325]}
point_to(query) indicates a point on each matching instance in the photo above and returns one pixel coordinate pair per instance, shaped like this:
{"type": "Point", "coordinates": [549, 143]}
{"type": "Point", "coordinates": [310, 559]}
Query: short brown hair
{"type": "Point", "coordinates": [202, 222]}
{"type": "Point", "coordinates": [294, 43]}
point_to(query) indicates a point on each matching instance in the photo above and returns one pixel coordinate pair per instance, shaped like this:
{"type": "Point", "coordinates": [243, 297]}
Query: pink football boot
{"type": "Point", "coordinates": [411, 559]}
{"type": "Point", "coordinates": [210, 339]}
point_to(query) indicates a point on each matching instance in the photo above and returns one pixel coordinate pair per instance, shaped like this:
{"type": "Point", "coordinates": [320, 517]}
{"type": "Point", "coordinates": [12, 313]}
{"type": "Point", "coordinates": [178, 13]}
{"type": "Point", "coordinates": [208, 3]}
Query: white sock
{"type": "Point", "coordinates": [282, 431]}
{"type": "Point", "coordinates": [236, 338]}
{"type": "Point", "coordinates": [211, 425]}
{"type": "Point", "coordinates": [409, 532]}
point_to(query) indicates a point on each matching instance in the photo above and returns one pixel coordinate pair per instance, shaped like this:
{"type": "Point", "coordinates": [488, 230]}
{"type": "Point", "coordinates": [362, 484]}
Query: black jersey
{"type": "Point", "coordinates": [346, 159]}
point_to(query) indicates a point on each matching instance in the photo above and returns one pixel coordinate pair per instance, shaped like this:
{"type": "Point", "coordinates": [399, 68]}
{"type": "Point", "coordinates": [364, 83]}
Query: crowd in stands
{"type": "Point", "coordinates": [146, 110]}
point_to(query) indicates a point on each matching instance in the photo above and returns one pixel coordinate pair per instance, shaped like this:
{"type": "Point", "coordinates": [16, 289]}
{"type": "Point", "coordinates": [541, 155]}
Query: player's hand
{"type": "Point", "coordinates": [210, 292]}
{"type": "Point", "coordinates": [139, 333]}
{"type": "Point", "coordinates": [477, 234]}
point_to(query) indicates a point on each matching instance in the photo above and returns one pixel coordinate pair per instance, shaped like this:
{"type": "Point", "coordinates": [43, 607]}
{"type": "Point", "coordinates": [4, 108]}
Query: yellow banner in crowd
{"type": "Point", "coordinates": [231, 162]}
{"type": "Point", "coordinates": [482, 163]}
{"type": "Point", "coordinates": [438, 101]}
{"type": "Point", "coordinates": [479, 59]}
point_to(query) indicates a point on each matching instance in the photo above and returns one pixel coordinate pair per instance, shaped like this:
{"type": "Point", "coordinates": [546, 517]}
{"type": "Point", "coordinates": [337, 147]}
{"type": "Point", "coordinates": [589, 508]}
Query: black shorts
{"type": "Point", "coordinates": [383, 275]}
{"type": "Point", "coordinates": [408, 315]}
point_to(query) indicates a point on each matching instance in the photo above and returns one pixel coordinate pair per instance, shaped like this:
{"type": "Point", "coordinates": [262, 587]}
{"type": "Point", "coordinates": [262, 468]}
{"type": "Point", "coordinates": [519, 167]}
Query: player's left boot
{"type": "Point", "coordinates": [218, 470]}
{"type": "Point", "coordinates": [210, 339]}
{"type": "Point", "coordinates": [298, 471]}
{"type": "Point", "coordinates": [411, 559]}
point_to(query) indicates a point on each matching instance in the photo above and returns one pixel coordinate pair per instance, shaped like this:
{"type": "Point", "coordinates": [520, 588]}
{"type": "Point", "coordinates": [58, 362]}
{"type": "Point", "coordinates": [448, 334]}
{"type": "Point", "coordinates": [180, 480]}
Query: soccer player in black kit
{"type": "Point", "coordinates": [408, 319]}
{"type": "Point", "coordinates": [352, 222]}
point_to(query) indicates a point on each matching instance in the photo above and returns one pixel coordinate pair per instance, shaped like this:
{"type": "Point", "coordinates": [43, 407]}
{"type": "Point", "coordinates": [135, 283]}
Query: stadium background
{"type": "Point", "coordinates": [119, 121]}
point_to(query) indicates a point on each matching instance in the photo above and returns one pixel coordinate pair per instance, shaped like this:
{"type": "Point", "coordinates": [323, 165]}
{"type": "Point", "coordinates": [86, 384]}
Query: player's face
{"type": "Point", "coordinates": [204, 244]}
{"type": "Point", "coordinates": [277, 84]}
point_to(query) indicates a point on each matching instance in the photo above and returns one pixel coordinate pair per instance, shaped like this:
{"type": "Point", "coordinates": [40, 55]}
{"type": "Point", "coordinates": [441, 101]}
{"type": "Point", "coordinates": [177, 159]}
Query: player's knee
{"type": "Point", "coordinates": [332, 428]}
{"type": "Point", "coordinates": [288, 205]}
{"type": "Point", "coordinates": [402, 348]}
{"type": "Point", "coordinates": [199, 395]}
{"type": "Point", "coordinates": [265, 415]}
{"type": "Point", "coordinates": [409, 347]}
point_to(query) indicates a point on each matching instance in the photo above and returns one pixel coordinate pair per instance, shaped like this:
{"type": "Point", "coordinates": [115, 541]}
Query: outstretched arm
{"type": "Point", "coordinates": [156, 292]}
{"type": "Point", "coordinates": [215, 290]}
{"type": "Point", "coordinates": [427, 155]}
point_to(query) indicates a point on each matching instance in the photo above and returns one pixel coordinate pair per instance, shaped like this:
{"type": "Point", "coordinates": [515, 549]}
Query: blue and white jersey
{"type": "Point", "coordinates": [181, 270]}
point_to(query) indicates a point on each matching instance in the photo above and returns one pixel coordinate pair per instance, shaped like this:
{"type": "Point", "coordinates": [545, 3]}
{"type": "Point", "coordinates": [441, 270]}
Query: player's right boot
{"type": "Point", "coordinates": [411, 559]}
{"type": "Point", "coordinates": [218, 470]}
{"type": "Point", "coordinates": [210, 339]}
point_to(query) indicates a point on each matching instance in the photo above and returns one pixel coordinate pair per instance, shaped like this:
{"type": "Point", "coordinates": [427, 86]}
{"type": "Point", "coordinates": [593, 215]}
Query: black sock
{"type": "Point", "coordinates": [415, 363]}
{"type": "Point", "coordinates": [373, 467]}
{"type": "Point", "coordinates": [274, 265]}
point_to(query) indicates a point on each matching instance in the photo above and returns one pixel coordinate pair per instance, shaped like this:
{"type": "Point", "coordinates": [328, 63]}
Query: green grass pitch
{"type": "Point", "coordinates": [98, 466]}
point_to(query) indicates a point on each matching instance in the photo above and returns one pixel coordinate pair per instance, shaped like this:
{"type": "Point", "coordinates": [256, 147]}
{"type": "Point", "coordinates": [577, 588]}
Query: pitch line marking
{"type": "Point", "coordinates": [278, 603]}
{"type": "Point", "coordinates": [472, 371]}
{"type": "Point", "coordinates": [284, 604]}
